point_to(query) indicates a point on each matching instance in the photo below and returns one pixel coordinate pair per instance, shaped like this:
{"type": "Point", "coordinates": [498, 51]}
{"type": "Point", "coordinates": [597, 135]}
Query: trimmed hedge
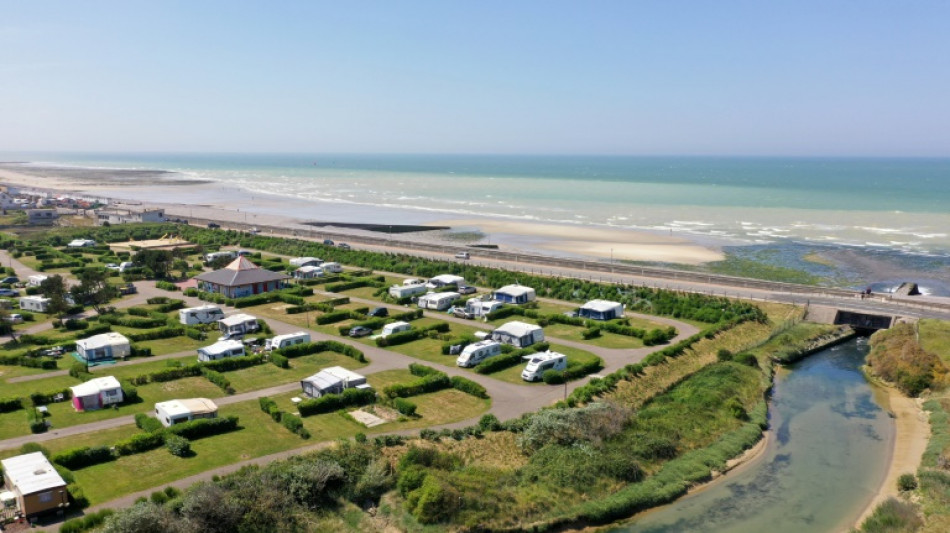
{"type": "Point", "coordinates": [162, 333]}
{"type": "Point", "coordinates": [10, 404]}
{"type": "Point", "coordinates": [404, 406]}
{"type": "Point", "coordinates": [141, 442]}
{"type": "Point", "coordinates": [309, 348]}
{"type": "Point", "coordinates": [332, 402]}
{"type": "Point", "coordinates": [147, 423]}
{"type": "Point", "coordinates": [429, 383]}
{"type": "Point", "coordinates": [77, 458]}
{"type": "Point", "coordinates": [469, 387]}
{"type": "Point", "coordinates": [203, 427]}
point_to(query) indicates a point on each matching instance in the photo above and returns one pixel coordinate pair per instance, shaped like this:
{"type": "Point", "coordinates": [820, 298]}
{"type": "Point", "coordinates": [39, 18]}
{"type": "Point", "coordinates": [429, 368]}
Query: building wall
{"type": "Point", "coordinates": [32, 504]}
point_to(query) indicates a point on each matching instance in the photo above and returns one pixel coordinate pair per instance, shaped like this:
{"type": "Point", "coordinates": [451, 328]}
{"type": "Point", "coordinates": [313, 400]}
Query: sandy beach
{"type": "Point", "coordinates": [217, 201]}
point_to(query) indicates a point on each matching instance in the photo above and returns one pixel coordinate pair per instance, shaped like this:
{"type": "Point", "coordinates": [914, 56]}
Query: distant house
{"type": "Point", "coordinates": [308, 272]}
{"type": "Point", "coordinates": [41, 217]}
{"type": "Point", "coordinates": [601, 310]}
{"type": "Point", "coordinates": [331, 381]}
{"type": "Point", "coordinates": [241, 278]}
{"type": "Point", "coordinates": [518, 334]}
{"type": "Point", "coordinates": [306, 261]}
{"type": "Point", "coordinates": [39, 304]}
{"type": "Point", "coordinates": [97, 393]}
{"type": "Point", "coordinates": [515, 294]}
{"type": "Point", "coordinates": [103, 347]}
{"type": "Point", "coordinates": [177, 411]}
{"type": "Point", "coordinates": [35, 484]}
{"type": "Point", "coordinates": [126, 216]}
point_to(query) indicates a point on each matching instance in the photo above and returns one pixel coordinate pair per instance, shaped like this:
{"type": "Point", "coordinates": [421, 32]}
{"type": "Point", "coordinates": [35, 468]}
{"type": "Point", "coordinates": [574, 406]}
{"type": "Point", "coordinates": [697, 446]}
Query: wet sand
{"type": "Point", "coordinates": [217, 201]}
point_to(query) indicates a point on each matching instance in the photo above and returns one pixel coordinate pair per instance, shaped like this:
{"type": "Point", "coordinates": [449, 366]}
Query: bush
{"type": "Point", "coordinates": [139, 443]}
{"type": "Point", "coordinates": [906, 482]}
{"type": "Point", "coordinates": [203, 427]}
{"type": "Point", "coordinates": [429, 383]}
{"type": "Point", "coordinates": [404, 406]}
{"type": "Point", "coordinates": [294, 424]}
{"type": "Point", "coordinates": [178, 446]}
{"type": "Point", "coordinates": [77, 458]}
{"type": "Point", "coordinates": [469, 387]}
{"type": "Point", "coordinates": [87, 522]}
{"type": "Point", "coordinates": [10, 404]}
{"type": "Point", "coordinates": [553, 377]}
{"type": "Point", "coordinates": [147, 423]}
{"type": "Point", "coordinates": [332, 402]}
{"type": "Point", "coordinates": [279, 360]}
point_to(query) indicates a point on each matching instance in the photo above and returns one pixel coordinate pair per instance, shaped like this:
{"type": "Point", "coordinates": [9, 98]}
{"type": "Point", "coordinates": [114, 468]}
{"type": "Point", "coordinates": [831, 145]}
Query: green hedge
{"type": "Point", "coordinates": [203, 427]}
{"type": "Point", "coordinates": [430, 383]}
{"type": "Point", "coordinates": [505, 360]}
{"type": "Point", "coordinates": [86, 522]}
{"type": "Point", "coordinates": [469, 387]}
{"type": "Point", "coordinates": [309, 348]}
{"type": "Point", "coordinates": [162, 333]}
{"type": "Point", "coordinates": [141, 442]}
{"type": "Point", "coordinates": [82, 457]}
{"type": "Point", "coordinates": [147, 423]}
{"type": "Point", "coordinates": [332, 402]}
{"type": "Point", "coordinates": [10, 404]}
{"type": "Point", "coordinates": [404, 406]}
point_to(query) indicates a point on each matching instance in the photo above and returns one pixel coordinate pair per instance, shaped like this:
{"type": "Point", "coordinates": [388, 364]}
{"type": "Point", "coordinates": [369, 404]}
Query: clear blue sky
{"type": "Point", "coordinates": [665, 77]}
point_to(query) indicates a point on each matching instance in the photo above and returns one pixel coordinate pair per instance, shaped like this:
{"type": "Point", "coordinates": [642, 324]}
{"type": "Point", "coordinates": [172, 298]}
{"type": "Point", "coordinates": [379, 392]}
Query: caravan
{"type": "Point", "coordinates": [333, 268]}
{"type": "Point", "coordinates": [290, 339]}
{"type": "Point", "coordinates": [211, 257]}
{"type": "Point", "coordinates": [405, 291]}
{"type": "Point", "coordinates": [40, 304]}
{"type": "Point", "coordinates": [479, 308]}
{"type": "Point", "coordinates": [476, 353]}
{"type": "Point", "coordinates": [541, 363]}
{"type": "Point", "coordinates": [221, 350]}
{"type": "Point", "coordinates": [395, 327]}
{"type": "Point", "coordinates": [236, 326]}
{"type": "Point", "coordinates": [204, 314]}
{"type": "Point", "coordinates": [440, 301]}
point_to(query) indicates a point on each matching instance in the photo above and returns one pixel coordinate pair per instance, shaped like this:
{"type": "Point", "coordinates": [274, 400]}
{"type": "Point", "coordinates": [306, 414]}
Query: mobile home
{"type": "Point", "coordinates": [518, 334]}
{"type": "Point", "coordinates": [36, 279]}
{"type": "Point", "coordinates": [306, 261]}
{"type": "Point", "coordinates": [290, 339]}
{"type": "Point", "coordinates": [395, 327]}
{"type": "Point", "coordinates": [221, 350]}
{"type": "Point", "coordinates": [204, 314]}
{"type": "Point", "coordinates": [103, 347]}
{"type": "Point", "coordinates": [541, 363]}
{"type": "Point", "coordinates": [308, 272]}
{"type": "Point", "coordinates": [331, 380]}
{"type": "Point", "coordinates": [238, 325]}
{"type": "Point", "coordinates": [601, 310]}
{"type": "Point", "coordinates": [440, 301]}
{"type": "Point", "coordinates": [97, 393]}
{"type": "Point", "coordinates": [177, 411]}
{"type": "Point", "coordinates": [479, 308]}
{"type": "Point", "coordinates": [403, 291]}
{"type": "Point", "coordinates": [34, 483]}
{"type": "Point", "coordinates": [445, 279]}
{"type": "Point", "coordinates": [476, 353]}
{"type": "Point", "coordinates": [40, 304]}
{"type": "Point", "coordinates": [515, 294]}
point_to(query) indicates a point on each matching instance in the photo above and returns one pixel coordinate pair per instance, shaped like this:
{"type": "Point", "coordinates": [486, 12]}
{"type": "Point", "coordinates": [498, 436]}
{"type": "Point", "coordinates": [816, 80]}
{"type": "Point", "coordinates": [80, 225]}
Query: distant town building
{"type": "Point", "coordinates": [42, 217]}
{"type": "Point", "coordinates": [114, 215]}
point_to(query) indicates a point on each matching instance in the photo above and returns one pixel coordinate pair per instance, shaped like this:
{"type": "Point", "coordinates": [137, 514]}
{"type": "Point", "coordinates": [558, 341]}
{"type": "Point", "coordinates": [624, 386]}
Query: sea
{"type": "Point", "coordinates": [890, 206]}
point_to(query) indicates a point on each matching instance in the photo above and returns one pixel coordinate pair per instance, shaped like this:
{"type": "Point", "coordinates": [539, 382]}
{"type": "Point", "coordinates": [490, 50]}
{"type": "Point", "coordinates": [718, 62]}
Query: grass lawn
{"type": "Point", "coordinates": [11, 371]}
{"type": "Point", "coordinates": [178, 344]}
{"type": "Point", "coordinates": [259, 436]}
{"type": "Point", "coordinates": [381, 380]}
{"type": "Point", "coordinates": [25, 388]}
{"type": "Point", "coordinates": [935, 337]}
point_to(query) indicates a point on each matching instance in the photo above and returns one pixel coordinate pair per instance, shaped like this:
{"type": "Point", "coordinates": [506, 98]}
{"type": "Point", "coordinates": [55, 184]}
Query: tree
{"type": "Point", "coordinates": [6, 326]}
{"type": "Point", "coordinates": [54, 288]}
{"type": "Point", "coordinates": [93, 289]}
{"type": "Point", "coordinates": [158, 261]}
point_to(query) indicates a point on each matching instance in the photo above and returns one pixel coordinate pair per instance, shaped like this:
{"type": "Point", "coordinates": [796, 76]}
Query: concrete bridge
{"type": "Point", "coordinates": [857, 319]}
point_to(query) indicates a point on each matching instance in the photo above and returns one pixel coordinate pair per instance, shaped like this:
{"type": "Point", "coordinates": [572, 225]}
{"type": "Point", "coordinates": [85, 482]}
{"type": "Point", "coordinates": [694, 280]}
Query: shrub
{"type": "Point", "coordinates": [178, 446]}
{"type": "Point", "coordinates": [279, 360]}
{"type": "Point", "coordinates": [139, 443]}
{"type": "Point", "coordinates": [553, 377]}
{"type": "Point", "coordinates": [906, 482]}
{"type": "Point", "coordinates": [147, 423]}
{"type": "Point", "coordinates": [87, 522]}
{"type": "Point", "coordinates": [203, 427]}
{"type": "Point", "coordinates": [77, 458]}
{"type": "Point", "coordinates": [724, 355]}
{"type": "Point", "coordinates": [294, 424]}
{"type": "Point", "coordinates": [10, 404]}
{"type": "Point", "coordinates": [429, 383]}
{"type": "Point", "coordinates": [404, 406]}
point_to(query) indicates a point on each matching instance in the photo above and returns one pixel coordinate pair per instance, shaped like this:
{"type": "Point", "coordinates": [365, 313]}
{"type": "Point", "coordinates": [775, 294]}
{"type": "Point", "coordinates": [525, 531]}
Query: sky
{"type": "Point", "coordinates": [802, 78]}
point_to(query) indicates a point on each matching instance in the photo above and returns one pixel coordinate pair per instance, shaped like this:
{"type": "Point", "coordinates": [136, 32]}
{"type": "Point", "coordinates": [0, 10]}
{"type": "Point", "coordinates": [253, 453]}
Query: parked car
{"type": "Point", "coordinates": [462, 255]}
{"type": "Point", "coordinates": [112, 266]}
{"type": "Point", "coordinates": [379, 312]}
{"type": "Point", "coordinates": [343, 245]}
{"type": "Point", "coordinates": [460, 312]}
{"type": "Point", "coordinates": [9, 292]}
{"type": "Point", "coordinates": [10, 280]}
{"type": "Point", "coordinates": [127, 289]}
{"type": "Point", "coordinates": [14, 319]}
{"type": "Point", "coordinates": [328, 242]}
{"type": "Point", "coordinates": [360, 331]}
{"type": "Point", "coordinates": [212, 225]}
{"type": "Point", "coordinates": [465, 289]}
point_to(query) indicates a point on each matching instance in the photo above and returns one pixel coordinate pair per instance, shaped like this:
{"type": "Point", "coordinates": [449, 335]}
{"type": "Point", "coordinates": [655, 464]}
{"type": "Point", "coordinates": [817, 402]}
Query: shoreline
{"type": "Point", "coordinates": [911, 435]}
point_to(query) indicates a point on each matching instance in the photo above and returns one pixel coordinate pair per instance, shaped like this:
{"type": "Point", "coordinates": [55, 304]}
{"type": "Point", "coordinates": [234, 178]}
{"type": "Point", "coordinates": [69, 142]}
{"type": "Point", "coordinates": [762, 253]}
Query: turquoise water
{"type": "Point", "coordinates": [826, 458]}
{"type": "Point", "coordinates": [877, 203]}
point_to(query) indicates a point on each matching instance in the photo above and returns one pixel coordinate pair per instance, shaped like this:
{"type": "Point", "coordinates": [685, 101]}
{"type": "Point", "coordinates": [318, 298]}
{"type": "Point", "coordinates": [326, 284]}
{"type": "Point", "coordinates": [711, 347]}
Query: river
{"type": "Point", "coordinates": [830, 441]}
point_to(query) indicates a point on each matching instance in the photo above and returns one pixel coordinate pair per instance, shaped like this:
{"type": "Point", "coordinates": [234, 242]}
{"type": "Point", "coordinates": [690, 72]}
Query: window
{"type": "Point", "coordinates": [46, 497]}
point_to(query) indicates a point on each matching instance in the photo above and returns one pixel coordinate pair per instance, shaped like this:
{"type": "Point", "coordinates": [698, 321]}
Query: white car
{"type": "Point", "coordinates": [112, 266]}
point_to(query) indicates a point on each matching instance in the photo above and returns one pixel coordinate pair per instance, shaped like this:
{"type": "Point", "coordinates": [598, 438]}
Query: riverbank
{"type": "Point", "coordinates": [912, 433]}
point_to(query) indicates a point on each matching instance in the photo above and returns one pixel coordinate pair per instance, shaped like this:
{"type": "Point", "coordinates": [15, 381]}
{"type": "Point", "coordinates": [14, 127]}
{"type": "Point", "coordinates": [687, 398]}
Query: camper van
{"type": "Point", "coordinates": [440, 301]}
{"type": "Point", "coordinates": [204, 314]}
{"type": "Point", "coordinates": [333, 268]}
{"type": "Point", "coordinates": [236, 326]}
{"type": "Point", "coordinates": [221, 350]}
{"type": "Point", "coordinates": [476, 353]}
{"type": "Point", "coordinates": [404, 291]}
{"type": "Point", "coordinates": [395, 327]}
{"type": "Point", "coordinates": [541, 363]}
{"type": "Point", "coordinates": [290, 339]}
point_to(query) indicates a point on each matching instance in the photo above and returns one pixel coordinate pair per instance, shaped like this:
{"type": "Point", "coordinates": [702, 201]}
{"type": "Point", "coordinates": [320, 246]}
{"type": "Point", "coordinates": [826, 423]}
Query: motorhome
{"type": "Point", "coordinates": [333, 268]}
{"type": "Point", "coordinates": [541, 363]}
{"type": "Point", "coordinates": [395, 327]}
{"type": "Point", "coordinates": [404, 291]}
{"type": "Point", "coordinates": [476, 353]}
{"type": "Point", "coordinates": [204, 314]}
{"type": "Point", "coordinates": [290, 339]}
{"type": "Point", "coordinates": [440, 301]}
{"type": "Point", "coordinates": [238, 325]}
{"type": "Point", "coordinates": [221, 350]}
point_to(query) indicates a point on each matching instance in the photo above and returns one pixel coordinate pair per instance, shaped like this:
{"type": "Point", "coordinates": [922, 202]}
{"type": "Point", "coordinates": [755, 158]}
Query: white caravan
{"type": "Point", "coordinates": [476, 353]}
